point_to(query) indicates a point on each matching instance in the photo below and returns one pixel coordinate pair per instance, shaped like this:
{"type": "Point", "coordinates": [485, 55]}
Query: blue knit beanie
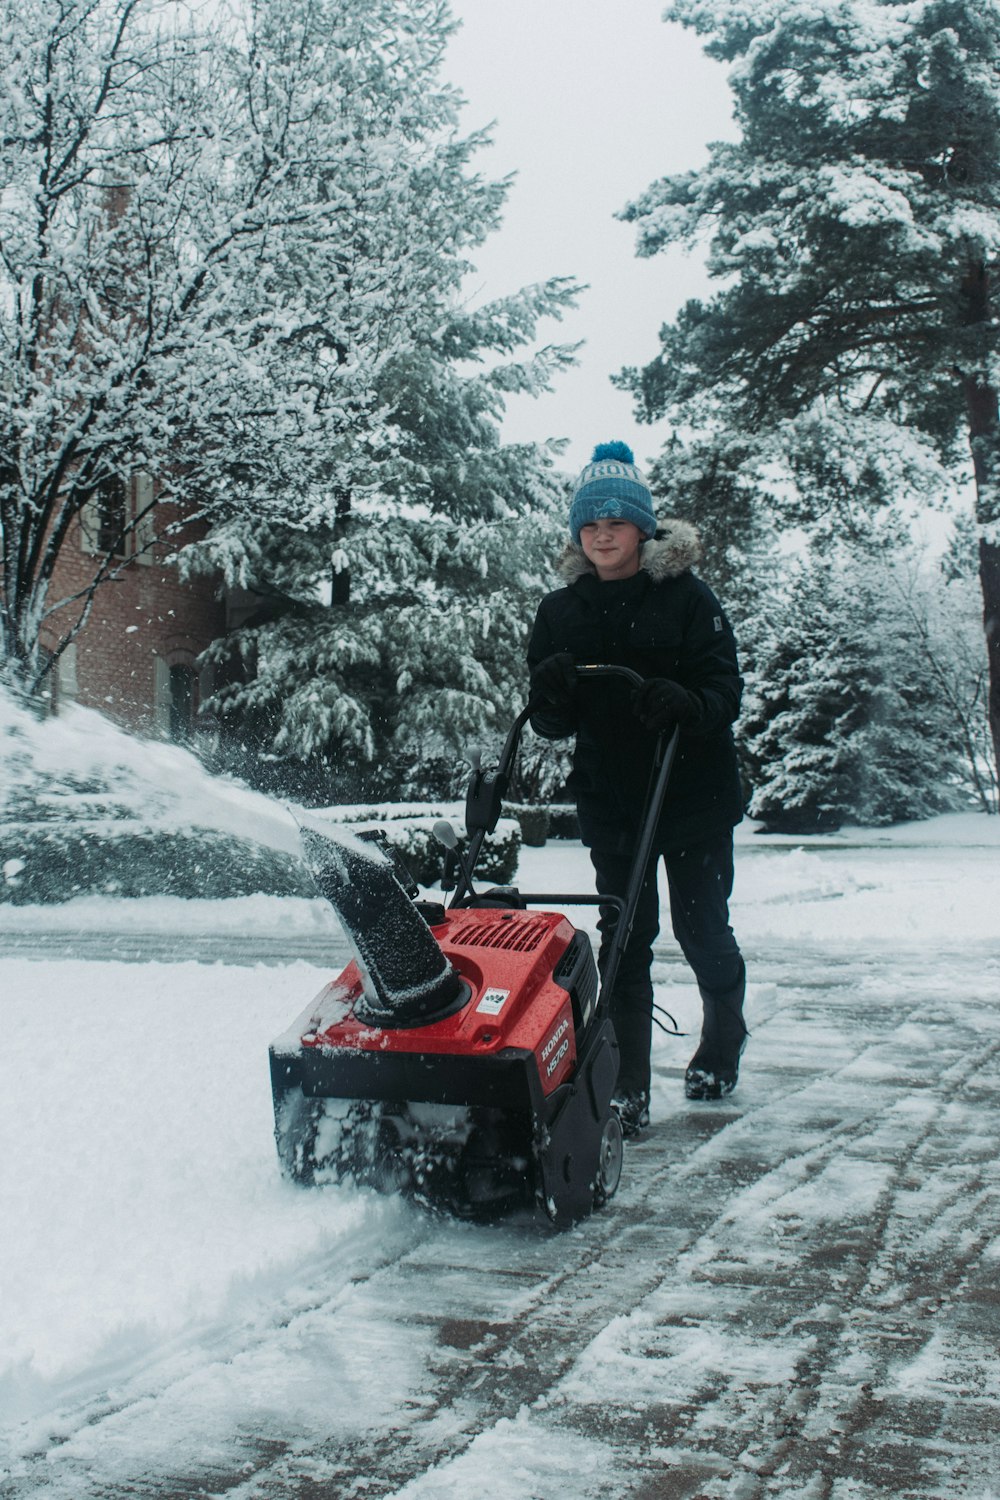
{"type": "Point", "coordinates": [612, 488]}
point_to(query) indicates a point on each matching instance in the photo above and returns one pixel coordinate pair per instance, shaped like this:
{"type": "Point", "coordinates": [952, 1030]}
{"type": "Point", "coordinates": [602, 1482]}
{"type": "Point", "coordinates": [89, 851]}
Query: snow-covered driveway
{"type": "Point", "coordinates": [795, 1293]}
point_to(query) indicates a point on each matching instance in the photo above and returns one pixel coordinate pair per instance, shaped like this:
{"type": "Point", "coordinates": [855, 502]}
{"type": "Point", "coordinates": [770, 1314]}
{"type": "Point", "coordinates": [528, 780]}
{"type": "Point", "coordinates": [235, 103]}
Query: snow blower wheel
{"type": "Point", "coordinates": [610, 1161]}
{"type": "Point", "coordinates": [465, 1057]}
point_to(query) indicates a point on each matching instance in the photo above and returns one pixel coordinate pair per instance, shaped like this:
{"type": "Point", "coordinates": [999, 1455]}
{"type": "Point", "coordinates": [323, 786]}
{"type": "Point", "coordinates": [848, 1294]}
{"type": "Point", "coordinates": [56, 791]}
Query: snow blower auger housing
{"type": "Point", "coordinates": [465, 1056]}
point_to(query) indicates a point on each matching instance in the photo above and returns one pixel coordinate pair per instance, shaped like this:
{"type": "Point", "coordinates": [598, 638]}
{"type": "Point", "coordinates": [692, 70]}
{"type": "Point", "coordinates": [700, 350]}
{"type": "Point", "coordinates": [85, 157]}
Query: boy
{"type": "Point", "coordinates": [631, 600]}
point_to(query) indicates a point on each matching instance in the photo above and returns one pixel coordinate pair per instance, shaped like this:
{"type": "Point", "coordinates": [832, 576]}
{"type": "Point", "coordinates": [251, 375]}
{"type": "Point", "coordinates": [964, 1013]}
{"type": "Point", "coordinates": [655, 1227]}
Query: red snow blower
{"type": "Point", "coordinates": [464, 1057]}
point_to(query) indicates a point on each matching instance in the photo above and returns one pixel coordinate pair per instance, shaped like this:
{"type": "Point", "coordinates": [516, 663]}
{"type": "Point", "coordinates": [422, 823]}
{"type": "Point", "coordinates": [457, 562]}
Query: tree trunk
{"type": "Point", "coordinates": [341, 590]}
{"type": "Point", "coordinates": [984, 437]}
{"type": "Point", "coordinates": [989, 577]}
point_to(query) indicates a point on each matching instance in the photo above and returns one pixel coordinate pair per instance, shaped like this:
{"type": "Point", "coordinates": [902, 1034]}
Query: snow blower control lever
{"type": "Point", "coordinates": [466, 1056]}
{"type": "Point", "coordinates": [484, 798]}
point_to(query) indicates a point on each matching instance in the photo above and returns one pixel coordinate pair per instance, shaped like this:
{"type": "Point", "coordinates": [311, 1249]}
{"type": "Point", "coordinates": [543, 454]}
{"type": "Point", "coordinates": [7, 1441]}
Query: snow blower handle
{"type": "Point", "coordinates": [599, 669]}
{"type": "Point", "coordinates": [487, 789]}
{"type": "Point", "coordinates": [582, 671]}
{"type": "Point", "coordinates": [663, 760]}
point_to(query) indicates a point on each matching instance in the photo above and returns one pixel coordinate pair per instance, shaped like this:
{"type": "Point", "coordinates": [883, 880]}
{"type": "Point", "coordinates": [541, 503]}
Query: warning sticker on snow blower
{"type": "Point", "coordinates": [492, 1002]}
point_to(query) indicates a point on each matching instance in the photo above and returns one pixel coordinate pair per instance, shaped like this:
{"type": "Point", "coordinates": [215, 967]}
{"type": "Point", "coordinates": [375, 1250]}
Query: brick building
{"type": "Point", "coordinates": [136, 658]}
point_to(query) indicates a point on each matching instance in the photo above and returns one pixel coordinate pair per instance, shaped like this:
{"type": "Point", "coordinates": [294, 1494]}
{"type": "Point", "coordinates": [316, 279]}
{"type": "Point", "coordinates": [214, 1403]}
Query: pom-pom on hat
{"type": "Point", "coordinates": [612, 488]}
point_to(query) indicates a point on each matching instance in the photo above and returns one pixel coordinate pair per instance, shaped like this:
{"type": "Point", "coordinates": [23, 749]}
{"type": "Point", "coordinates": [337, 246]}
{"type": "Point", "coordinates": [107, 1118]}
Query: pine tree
{"type": "Point", "coordinates": [420, 662]}
{"type": "Point", "coordinates": [856, 226]}
{"type": "Point", "coordinates": [715, 483]}
{"type": "Point", "coordinates": [938, 608]}
{"type": "Point", "coordinates": [845, 720]}
{"type": "Point", "coordinates": [387, 596]}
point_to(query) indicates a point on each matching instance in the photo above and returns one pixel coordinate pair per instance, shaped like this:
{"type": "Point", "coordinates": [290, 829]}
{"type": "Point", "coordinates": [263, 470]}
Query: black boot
{"type": "Point", "coordinates": [632, 1017]}
{"type": "Point", "coordinates": [632, 1109]}
{"type": "Point", "coordinates": [713, 1071]}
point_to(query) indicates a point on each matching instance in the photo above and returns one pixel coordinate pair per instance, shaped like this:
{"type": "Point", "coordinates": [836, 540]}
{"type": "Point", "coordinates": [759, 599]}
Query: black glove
{"type": "Point", "coordinates": [661, 703]}
{"type": "Point", "coordinates": [554, 679]}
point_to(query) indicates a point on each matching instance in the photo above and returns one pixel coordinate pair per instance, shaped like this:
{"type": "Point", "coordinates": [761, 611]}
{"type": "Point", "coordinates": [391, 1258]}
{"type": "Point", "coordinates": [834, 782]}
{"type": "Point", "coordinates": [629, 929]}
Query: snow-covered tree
{"type": "Point", "coordinates": [855, 229]}
{"type": "Point", "coordinates": [714, 481]}
{"type": "Point", "coordinates": [231, 251]}
{"type": "Point", "coordinates": [385, 684]}
{"type": "Point", "coordinates": [845, 718]}
{"type": "Point", "coordinates": [938, 610]}
{"type": "Point", "coordinates": [384, 614]}
{"type": "Point", "coordinates": [829, 478]}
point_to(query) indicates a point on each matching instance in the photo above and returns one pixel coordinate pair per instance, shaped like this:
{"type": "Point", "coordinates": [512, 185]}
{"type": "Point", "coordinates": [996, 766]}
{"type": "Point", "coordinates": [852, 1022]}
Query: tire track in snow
{"type": "Point", "coordinates": [720, 1235]}
{"type": "Point", "coordinates": [540, 1345]}
{"type": "Point", "coordinates": [526, 1330]}
{"type": "Point", "coordinates": [811, 1375]}
{"type": "Point", "coordinates": [755, 1468]}
{"type": "Point", "coordinates": [75, 1434]}
{"type": "Point", "coordinates": [825, 1420]}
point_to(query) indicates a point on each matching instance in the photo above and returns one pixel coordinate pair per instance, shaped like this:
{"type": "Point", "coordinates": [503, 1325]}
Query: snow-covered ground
{"type": "Point", "coordinates": [794, 1292]}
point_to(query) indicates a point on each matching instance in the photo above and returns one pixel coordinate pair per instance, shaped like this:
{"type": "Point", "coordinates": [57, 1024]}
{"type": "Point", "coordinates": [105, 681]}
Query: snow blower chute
{"type": "Point", "coordinates": [465, 1055]}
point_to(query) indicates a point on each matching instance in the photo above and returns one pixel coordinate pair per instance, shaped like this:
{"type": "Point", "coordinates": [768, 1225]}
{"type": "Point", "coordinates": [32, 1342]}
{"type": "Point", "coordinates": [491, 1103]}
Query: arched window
{"type": "Point", "coordinates": [183, 701]}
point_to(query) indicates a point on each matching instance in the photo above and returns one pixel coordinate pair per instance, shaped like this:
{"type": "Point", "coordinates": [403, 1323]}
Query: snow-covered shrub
{"type": "Point", "coordinates": [87, 809]}
{"type": "Point", "coordinates": [409, 828]}
{"type": "Point", "coordinates": [532, 821]}
{"type": "Point", "coordinates": [563, 821]}
{"type": "Point", "coordinates": [45, 864]}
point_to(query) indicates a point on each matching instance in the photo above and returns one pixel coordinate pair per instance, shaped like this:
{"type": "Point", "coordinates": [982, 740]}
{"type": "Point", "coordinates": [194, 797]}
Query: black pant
{"type": "Point", "coordinates": [700, 882]}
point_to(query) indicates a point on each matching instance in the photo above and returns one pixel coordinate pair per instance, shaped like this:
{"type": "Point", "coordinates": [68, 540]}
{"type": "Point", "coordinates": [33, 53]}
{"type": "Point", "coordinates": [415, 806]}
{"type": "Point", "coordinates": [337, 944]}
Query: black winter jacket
{"type": "Point", "coordinates": [662, 622]}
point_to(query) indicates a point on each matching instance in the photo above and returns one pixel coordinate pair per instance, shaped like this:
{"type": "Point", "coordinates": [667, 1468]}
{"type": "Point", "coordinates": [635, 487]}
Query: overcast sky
{"type": "Point", "coordinates": [593, 100]}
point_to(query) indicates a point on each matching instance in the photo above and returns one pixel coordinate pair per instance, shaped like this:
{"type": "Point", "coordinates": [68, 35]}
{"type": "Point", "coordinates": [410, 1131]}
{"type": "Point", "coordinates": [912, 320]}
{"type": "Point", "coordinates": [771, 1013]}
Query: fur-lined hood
{"type": "Point", "coordinates": [674, 549]}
